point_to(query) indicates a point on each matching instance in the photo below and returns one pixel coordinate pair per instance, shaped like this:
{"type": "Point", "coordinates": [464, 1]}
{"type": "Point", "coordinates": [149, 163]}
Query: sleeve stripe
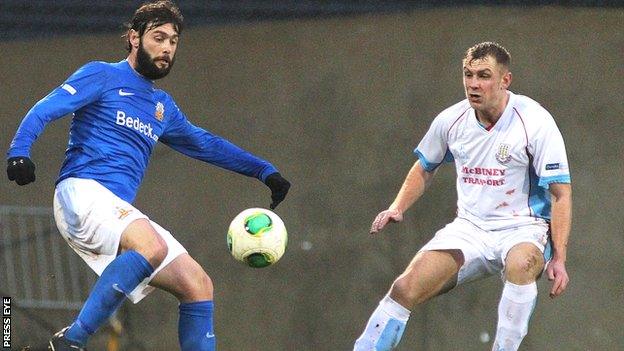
{"type": "Point", "coordinates": [562, 178]}
{"type": "Point", "coordinates": [428, 166]}
{"type": "Point", "coordinates": [69, 88]}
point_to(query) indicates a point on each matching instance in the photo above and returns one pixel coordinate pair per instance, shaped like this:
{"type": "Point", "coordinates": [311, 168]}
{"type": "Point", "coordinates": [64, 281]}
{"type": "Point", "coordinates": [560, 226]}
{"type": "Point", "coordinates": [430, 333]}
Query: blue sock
{"type": "Point", "coordinates": [195, 329]}
{"type": "Point", "coordinates": [119, 278]}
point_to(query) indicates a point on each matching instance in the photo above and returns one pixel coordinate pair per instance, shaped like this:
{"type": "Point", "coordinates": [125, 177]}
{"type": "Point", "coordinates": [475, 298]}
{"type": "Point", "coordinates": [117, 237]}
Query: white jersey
{"type": "Point", "coordinates": [503, 173]}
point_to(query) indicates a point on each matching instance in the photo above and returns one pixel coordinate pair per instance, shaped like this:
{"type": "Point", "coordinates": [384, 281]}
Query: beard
{"type": "Point", "coordinates": [147, 67]}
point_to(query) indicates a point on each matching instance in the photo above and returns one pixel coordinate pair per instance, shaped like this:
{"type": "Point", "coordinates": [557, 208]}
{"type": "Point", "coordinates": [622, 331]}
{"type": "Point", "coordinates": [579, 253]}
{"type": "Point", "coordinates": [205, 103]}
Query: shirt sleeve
{"type": "Point", "coordinates": [188, 139]}
{"type": "Point", "coordinates": [433, 150]}
{"type": "Point", "coordinates": [80, 89]}
{"type": "Point", "coordinates": [549, 155]}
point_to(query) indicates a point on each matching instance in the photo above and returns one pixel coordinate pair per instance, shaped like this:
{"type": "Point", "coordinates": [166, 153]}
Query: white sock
{"type": "Point", "coordinates": [384, 328]}
{"type": "Point", "coordinates": [514, 311]}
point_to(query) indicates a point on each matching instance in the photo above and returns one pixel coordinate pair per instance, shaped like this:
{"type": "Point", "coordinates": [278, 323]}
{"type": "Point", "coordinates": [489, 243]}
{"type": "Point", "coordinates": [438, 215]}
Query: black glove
{"type": "Point", "coordinates": [21, 170]}
{"type": "Point", "coordinates": [279, 188]}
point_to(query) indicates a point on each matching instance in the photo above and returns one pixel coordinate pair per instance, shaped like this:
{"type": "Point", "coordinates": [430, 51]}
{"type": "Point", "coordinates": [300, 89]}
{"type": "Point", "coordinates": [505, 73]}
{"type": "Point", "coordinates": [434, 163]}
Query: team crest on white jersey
{"type": "Point", "coordinates": [160, 111]}
{"type": "Point", "coordinates": [502, 155]}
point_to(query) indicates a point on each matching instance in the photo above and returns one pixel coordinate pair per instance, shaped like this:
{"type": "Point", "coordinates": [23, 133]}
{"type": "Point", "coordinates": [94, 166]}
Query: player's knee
{"type": "Point", "coordinates": [157, 252]}
{"type": "Point", "coordinates": [141, 237]}
{"type": "Point", "coordinates": [197, 287]}
{"type": "Point", "coordinates": [205, 284]}
{"type": "Point", "coordinates": [403, 291]}
{"type": "Point", "coordinates": [524, 268]}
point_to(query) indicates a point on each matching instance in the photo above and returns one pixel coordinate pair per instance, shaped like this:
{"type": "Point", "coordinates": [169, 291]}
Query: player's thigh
{"type": "Point", "coordinates": [524, 263]}
{"type": "Point", "coordinates": [428, 274]}
{"type": "Point", "coordinates": [91, 217]}
{"type": "Point", "coordinates": [185, 279]}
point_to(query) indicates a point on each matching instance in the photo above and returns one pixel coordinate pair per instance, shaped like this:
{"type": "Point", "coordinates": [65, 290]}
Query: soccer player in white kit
{"type": "Point", "coordinates": [513, 210]}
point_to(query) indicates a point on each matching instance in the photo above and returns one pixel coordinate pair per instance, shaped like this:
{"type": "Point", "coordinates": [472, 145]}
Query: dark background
{"type": "Point", "coordinates": [338, 104]}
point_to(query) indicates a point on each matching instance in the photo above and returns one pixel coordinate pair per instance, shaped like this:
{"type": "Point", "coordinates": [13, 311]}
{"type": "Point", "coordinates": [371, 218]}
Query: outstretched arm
{"type": "Point", "coordinates": [200, 144]}
{"type": "Point", "coordinates": [417, 180]}
{"type": "Point", "coordinates": [561, 195]}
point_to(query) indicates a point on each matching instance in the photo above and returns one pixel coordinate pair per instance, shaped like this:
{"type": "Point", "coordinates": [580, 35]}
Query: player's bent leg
{"type": "Point", "coordinates": [523, 264]}
{"type": "Point", "coordinates": [186, 280]}
{"type": "Point", "coordinates": [142, 250]}
{"type": "Point", "coordinates": [428, 274]}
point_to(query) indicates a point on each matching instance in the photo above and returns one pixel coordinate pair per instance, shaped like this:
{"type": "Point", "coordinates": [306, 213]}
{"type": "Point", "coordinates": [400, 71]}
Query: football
{"type": "Point", "coordinates": [257, 237]}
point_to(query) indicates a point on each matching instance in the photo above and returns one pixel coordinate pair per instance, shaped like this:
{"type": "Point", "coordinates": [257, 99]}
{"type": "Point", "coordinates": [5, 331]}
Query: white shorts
{"type": "Point", "coordinates": [91, 219]}
{"type": "Point", "coordinates": [485, 251]}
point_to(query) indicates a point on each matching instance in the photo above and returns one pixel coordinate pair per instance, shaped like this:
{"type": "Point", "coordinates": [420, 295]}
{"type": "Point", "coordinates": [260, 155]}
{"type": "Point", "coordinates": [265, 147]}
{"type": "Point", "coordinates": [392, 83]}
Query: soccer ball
{"type": "Point", "coordinates": [257, 237]}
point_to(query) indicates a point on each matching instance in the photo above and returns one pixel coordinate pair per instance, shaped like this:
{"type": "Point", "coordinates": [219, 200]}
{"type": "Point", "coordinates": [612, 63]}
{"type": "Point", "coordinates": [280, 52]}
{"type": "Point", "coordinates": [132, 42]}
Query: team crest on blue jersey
{"type": "Point", "coordinates": [160, 111]}
{"type": "Point", "coordinates": [503, 156]}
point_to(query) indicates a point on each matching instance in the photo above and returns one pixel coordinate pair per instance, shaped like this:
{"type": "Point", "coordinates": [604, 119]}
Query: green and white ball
{"type": "Point", "coordinates": [257, 237]}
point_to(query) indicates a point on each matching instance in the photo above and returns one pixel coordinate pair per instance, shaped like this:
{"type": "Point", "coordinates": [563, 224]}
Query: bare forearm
{"type": "Point", "coordinates": [412, 189]}
{"type": "Point", "coordinates": [561, 220]}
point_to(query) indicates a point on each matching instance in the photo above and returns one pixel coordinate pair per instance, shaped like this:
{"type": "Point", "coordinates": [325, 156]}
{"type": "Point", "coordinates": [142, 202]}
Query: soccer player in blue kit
{"type": "Point", "coordinates": [119, 116]}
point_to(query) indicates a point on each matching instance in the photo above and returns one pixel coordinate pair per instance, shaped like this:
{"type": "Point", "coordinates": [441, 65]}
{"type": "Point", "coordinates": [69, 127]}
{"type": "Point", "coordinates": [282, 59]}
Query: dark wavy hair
{"type": "Point", "coordinates": [488, 48]}
{"type": "Point", "coordinates": [153, 14]}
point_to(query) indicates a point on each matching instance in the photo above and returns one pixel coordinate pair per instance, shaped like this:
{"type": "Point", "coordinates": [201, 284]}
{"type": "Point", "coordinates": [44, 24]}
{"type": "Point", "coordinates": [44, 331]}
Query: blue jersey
{"type": "Point", "coordinates": [119, 116]}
